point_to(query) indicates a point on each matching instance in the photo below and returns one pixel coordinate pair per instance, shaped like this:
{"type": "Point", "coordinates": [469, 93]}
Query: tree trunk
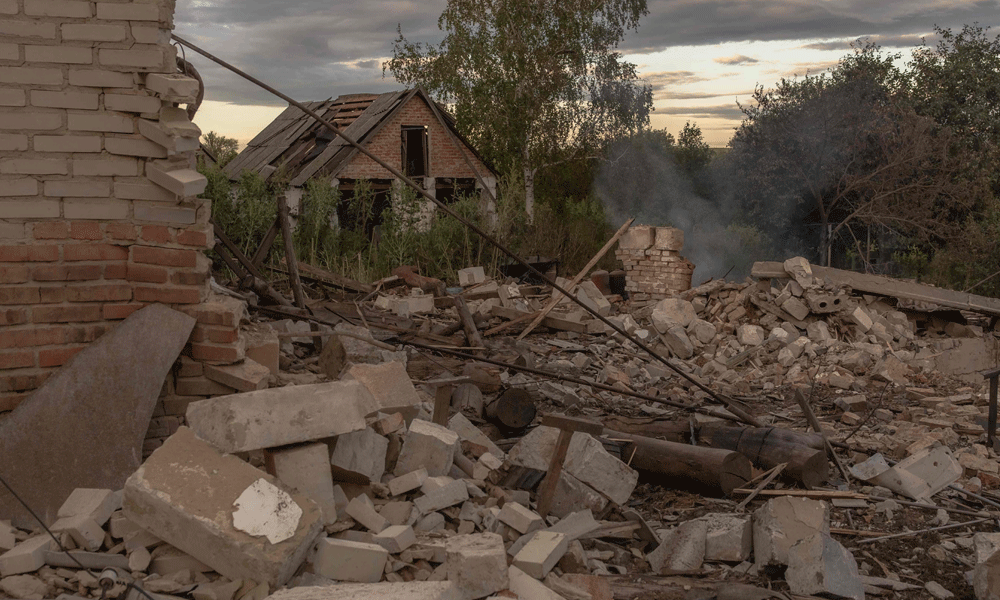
{"type": "Point", "coordinates": [824, 240]}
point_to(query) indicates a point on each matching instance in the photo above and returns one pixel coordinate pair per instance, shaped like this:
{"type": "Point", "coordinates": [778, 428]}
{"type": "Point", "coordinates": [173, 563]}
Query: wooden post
{"type": "Point", "coordinates": [567, 426]}
{"type": "Point", "coordinates": [579, 277]}
{"type": "Point", "coordinates": [293, 264]}
{"type": "Point", "coordinates": [513, 409]}
{"type": "Point", "coordinates": [442, 403]}
{"type": "Point", "coordinates": [468, 323]}
{"type": "Point", "coordinates": [815, 424]}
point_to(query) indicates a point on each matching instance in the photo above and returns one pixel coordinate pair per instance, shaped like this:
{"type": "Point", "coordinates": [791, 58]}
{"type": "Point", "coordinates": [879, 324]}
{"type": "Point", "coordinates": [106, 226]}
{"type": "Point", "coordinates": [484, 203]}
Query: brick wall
{"type": "Point", "coordinates": [654, 267]}
{"type": "Point", "coordinates": [444, 158]}
{"type": "Point", "coordinates": [98, 214]}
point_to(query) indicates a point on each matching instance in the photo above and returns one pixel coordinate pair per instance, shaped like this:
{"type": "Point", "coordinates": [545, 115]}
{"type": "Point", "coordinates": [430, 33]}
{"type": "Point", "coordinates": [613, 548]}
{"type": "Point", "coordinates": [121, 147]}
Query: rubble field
{"type": "Point", "coordinates": [799, 438]}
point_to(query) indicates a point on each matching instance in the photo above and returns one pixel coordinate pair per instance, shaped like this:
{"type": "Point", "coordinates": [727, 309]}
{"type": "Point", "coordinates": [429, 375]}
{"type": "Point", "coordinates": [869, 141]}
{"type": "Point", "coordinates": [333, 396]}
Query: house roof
{"type": "Point", "coordinates": [301, 147]}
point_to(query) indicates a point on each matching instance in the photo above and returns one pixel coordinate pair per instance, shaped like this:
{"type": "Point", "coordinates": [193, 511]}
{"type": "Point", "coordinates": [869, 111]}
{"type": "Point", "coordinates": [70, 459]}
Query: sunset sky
{"type": "Point", "coordinates": [701, 56]}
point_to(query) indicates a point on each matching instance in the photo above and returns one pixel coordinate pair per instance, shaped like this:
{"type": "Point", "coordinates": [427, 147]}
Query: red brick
{"type": "Point", "coordinates": [85, 230]}
{"type": "Point", "coordinates": [15, 274]}
{"type": "Point", "coordinates": [95, 252]}
{"type": "Point", "coordinates": [36, 336]}
{"type": "Point", "coordinates": [13, 316]}
{"type": "Point", "coordinates": [10, 401]}
{"type": "Point", "coordinates": [164, 256]}
{"type": "Point", "coordinates": [156, 233]}
{"type": "Point", "coordinates": [115, 271]}
{"type": "Point", "coordinates": [188, 278]}
{"type": "Point", "coordinates": [19, 294]}
{"type": "Point", "coordinates": [29, 253]}
{"type": "Point", "coordinates": [65, 314]}
{"type": "Point", "coordinates": [120, 231]}
{"type": "Point", "coordinates": [212, 314]}
{"type": "Point", "coordinates": [223, 336]}
{"type": "Point", "coordinates": [51, 230]}
{"type": "Point", "coordinates": [112, 292]}
{"type": "Point", "coordinates": [222, 354]}
{"type": "Point", "coordinates": [168, 295]}
{"type": "Point", "coordinates": [18, 359]}
{"type": "Point", "coordinates": [147, 274]}
{"type": "Point", "coordinates": [56, 356]}
{"type": "Point", "coordinates": [192, 238]}
{"type": "Point", "coordinates": [66, 272]}
{"type": "Point", "coordinates": [120, 311]}
{"type": "Point", "coordinates": [20, 383]}
{"type": "Point", "coordinates": [84, 334]}
{"type": "Point", "coordinates": [52, 295]}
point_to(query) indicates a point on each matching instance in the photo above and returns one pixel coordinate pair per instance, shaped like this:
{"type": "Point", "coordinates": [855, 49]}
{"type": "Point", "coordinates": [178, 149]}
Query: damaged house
{"type": "Point", "coordinates": [405, 128]}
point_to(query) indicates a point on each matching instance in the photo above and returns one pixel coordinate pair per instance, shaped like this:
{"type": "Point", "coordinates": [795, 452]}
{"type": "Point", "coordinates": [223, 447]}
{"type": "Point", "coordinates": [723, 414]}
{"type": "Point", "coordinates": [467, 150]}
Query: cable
{"type": "Point", "coordinates": [131, 584]}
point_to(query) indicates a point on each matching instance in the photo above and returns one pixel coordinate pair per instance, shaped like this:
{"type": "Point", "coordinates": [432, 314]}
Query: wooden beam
{"type": "Point", "coordinates": [550, 322]}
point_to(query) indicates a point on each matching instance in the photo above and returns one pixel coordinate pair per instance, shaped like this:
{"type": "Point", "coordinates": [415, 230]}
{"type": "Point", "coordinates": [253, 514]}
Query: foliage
{"type": "Point", "coordinates": [222, 148]}
{"type": "Point", "coordinates": [315, 233]}
{"type": "Point", "coordinates": [532, 81]}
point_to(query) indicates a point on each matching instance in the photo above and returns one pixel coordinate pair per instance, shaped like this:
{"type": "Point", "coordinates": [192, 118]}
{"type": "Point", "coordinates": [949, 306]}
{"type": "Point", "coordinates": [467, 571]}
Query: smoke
{"type": "Point", "coordinates": [645, 181]}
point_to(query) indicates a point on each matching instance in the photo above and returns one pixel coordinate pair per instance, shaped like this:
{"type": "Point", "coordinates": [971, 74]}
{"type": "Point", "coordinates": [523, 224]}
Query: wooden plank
{"type": "Point", "coordinates": [313, 273]}
{"type": "Point", "coordinates": [886, 286]}
{"type": "Point", "coordinates": [571, 288]}
{"type": "Point", "coordinates": [549, 321]}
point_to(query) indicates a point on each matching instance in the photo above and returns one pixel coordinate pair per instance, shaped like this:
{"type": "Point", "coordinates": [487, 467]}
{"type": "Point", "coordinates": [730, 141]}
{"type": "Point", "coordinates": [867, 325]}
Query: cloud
{"type": "Point", "coordinates": [700, 95]}
{"type": "Point", "coordinates": [737, 59]}
{"type": "Point", "coordinates": [719, 111]}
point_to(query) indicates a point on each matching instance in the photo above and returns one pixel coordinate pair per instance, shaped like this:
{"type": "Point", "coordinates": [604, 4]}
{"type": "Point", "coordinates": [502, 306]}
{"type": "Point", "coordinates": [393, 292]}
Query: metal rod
{"type": "Point", "coordinates": [736, 410]}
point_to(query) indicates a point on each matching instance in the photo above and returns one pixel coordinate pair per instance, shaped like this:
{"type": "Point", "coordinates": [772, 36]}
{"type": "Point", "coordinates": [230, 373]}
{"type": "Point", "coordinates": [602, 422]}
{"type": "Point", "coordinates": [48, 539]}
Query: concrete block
{"type": "Point", "coordinates": [183, 182]}
{"type": "Point", "coordinates": [432, 522]}
{"type": "Point", "coordinates": [24, 586]}
{"type": "Point", "coordinates": [682, 548]}
{"type": "Point", "coordinates": [750, 335]}
{"type": "Point", "coordinates": [55, 426]}
{"type": "Point", "coordinates": [467, 431]}
{"type": "Point", "coordinates": [7, 537]}
{"type": "Point", "coordinates": [158, 133]}
{"type": "Point", "coordinates": [389, 385]}
{"type": "Point", "coordinates": [363, 511]}
{"type": "Point", "coordinates": [471, 276]}
{"type": "Point", "coordinates": [166, 497]}
{"type": "Point", "coordinates": [307, 469]}
{"type": "Point", "coordinates": [407, 483]}
{"type": "Point", "coordinates": [638, 237]}
{"type": "Point", "coordinates": [359, 456]}
{"type": "Point", "coordinates": [396, 538]}
{"type": "Point", "coordinates": [408, 590]}
{"type": "Point", "coordinates": [343, 560]}
{"type": "Point", "coordinates": [539, 555]}
{"type": "Point", "coordinates": [819, 566]}
{"type": "Point", "coordinates": [782, 522]}
{"type": "Point", "coordinates": [576, 524]}
{"type": "Point", "coordinates": [669, 238]}
{"type": "Point", "coordinates": [280, 416]}
{"type": "Point", "coordinates": [263, 347]}
{"type": "Point", "coordinates": [173, 87]}
{"type": "Point", "coordinates": [477, 564]}
{"type": "Point", "coordinates": [454, 493]}
{"type": "Point", "coordinates": [98, 504]}
{"type": "Point", "coordinates": [522, 519]}
{"type": "Point", "coordinates": [427, 445]}
{"type": "Point", "coordinates": [26, 557]}
{"type": "Point", "coordinates": [672, 311]}
{"type": "Point", "coordinates": [729, 537]}
{"type": "Point", "coordinates": [397, 512]}
{"type": "Point", "coordinates": [246, 376]}
{"type": "Point", "coordinates": [572, 495]}
{"type": "Point", "coordinates": [413, 305]}
{"type": "Point", "coordinates": [84, 530]}
{"type": "Point", "coordinates": [677, 339]}
{"type": "Point", "coordinates": [986, 578]}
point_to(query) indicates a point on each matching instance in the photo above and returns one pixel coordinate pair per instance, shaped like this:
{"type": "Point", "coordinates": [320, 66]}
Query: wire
{"type": "Point", "coordinates": [131, 584]}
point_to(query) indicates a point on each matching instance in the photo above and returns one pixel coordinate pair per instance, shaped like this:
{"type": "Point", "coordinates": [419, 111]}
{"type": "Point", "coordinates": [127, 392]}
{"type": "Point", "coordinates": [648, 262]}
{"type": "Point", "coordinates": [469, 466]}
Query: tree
{"type": "Point", "coordinates": [223, 149]}
{"type": "Point", "coordinates": [692, 151]}
{"type": "Point", "coordinates": [532, 82]}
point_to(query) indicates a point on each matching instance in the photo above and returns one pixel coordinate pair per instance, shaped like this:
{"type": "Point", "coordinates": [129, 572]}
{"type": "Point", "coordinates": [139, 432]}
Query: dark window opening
{"type": "Point", "coordinates": [364, 212]}
{"type": "Point", "coordinates": [414, 148]}
{"type": "Point", "coordinates": [450, 189]}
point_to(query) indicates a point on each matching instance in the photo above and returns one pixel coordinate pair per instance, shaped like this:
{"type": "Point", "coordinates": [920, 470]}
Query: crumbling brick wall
{"type": "Point", "coordinates": [98, 206]}
{"type": "Point", "coordinates": [654, 267]}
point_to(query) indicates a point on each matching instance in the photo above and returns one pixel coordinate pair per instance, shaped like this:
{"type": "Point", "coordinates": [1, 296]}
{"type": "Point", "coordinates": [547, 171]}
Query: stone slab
{"type": "Point", "coordinates": [390, 386]}
{"type": "Point", "coordinates": [280, 416]}
{"type": "Point", "coordinates": [63, 436]}
{"type": "Point", "coordinates": [411, 590]}
{"type": "Point", "coordinates": [307, 469]}
{"type": "Point", "coordinates": [167, 497]}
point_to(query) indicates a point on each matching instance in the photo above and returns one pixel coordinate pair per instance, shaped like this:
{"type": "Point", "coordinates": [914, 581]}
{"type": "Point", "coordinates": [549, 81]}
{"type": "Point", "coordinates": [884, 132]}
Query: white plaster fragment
{"type": "Point", "coordinates": [264, 509]}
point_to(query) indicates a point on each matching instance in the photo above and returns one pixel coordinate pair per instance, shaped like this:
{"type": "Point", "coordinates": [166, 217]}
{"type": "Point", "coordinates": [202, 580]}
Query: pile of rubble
{"type": "Point", "coordinates": [380, 470]}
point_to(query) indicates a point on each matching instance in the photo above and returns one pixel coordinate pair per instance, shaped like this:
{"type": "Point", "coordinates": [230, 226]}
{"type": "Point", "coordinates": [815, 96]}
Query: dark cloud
{"type": "Point", "coordinates": [719, 111]}
{"type": "Point", "coordinates": [737, 59]}
{"type": "Point", "coordinates": [705, 22]}
{"type": "Point", "coordinates": [885, 41]}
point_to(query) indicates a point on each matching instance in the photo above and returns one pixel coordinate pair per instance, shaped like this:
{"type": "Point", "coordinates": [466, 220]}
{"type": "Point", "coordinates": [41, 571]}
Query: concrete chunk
{"type": "Point", "coordinates": [396, 538]}
{"type": "Point", "coordinates": [85, 531]}
{"type": "Point", "coordinates": [246, 376]}
{"type": "Point", "coordinates": [454, 493]}
{"type": "Point", "coordinates": [467, 431]}
{"type": "Point", "coordinates": [280, 416]}
{"type": "Point", "coordinates": [572, 495]}
{"type": "Point", "coordinates": [26, 557]}
{"type": "Point", "coordinates": [525, 586]}
{"type": "Point", "coordinates": [363, 511]}
{"type": "Point", "coordinates": [477, 564]}
{"type": "Point", "coordinates": [307, 469]}
{"type": "Point", "coordinates": [110, 387]}
{"type": "Point", "coordinates": [819, 565]}
{"type": "Point", "coordinates": [782, 522]}
{"type": "Point", "coordinates": [359, 456]}
{"type": "Point", "coordinates": [409, 590]}
{"type": "Point", "coordinates": [672, 311]}
{"type": "Point", "coordinates": [682, 549]}
{"type": "Point", "coordinates": [729, 537]}
{"type": "Point", "coordinates": [389, 385]}
{"type": "Point", "coordinates": [539, 555]}
{"type": "Point", "coordinates": [408, 483]}
{"type": "Point", "coordinates": [522, 519]}
{"type": "Point", "coordinates": [471, 276]}
{"type": "Point", "coordinates": [344, 560]}
{"type": "Point", "coordinates": [427, 445]}
{"type": "Point", "coordinates": [98, 504]}
{"type": "Point", "coordinates": [166, 496]}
